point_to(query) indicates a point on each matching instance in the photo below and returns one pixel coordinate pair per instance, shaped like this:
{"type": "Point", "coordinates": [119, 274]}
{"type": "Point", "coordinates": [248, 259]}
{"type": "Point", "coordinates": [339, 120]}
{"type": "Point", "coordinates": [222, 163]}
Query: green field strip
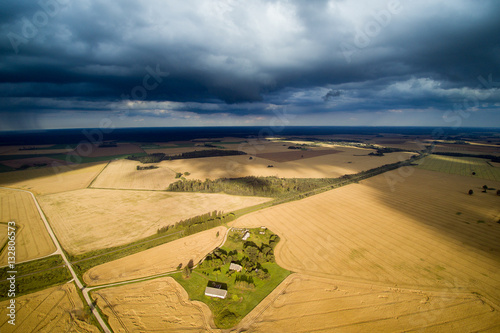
{"type": "Point", "coordinates": [463, 166]}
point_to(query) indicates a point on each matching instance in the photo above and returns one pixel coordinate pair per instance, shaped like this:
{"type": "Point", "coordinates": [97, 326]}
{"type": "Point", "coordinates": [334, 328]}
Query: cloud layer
{"type": "Point", "coordinates": [214, 59]}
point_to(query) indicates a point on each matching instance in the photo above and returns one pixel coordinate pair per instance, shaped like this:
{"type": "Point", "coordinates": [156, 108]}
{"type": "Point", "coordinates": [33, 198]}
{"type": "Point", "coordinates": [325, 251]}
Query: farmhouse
{"type": "Point", "coordinates": [246, 235]}
{"type": "Point", "coordinates": [235, 267]}
{"type": "Point", "coordinates": [215, 292]}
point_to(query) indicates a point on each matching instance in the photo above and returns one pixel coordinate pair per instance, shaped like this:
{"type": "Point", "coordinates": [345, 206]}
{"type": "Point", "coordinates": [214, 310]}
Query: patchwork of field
{"type": "Point", "coordinates": [32, 239]}
{"type": "Point", "coordinates": [88, 150]}
{"type": "Point", "coordinates": [159, 305]}
{"type": "Point", "coordinates": [348, 161]}
{"type": "Point", "coordinates": [467, 149]}
{"type": "Point", "coordinates": [464, 166]}
{"type": "Point", "coordinates": [32, 161]}
{"type": "Point", "coordinates": [57, 309]}
{"type": "Point", "coordinates": [310, 304]}
{"type": "Point", "coordinates": [91, 219]}
{"type": "Point", "coordinates": [37, 149]}
{"type": "Point", "coordinates": [160, 259]}
{"type": "Point", "coordinates": [54, 179]}
{"type": "Point", "coordinates": [296, 154]}
{"type": "Point", "coordinates": [123, 174]}
{"type": "Point", "coordinates": [176, 151]}
{"type": "Point", "coordinates": [424, 232]}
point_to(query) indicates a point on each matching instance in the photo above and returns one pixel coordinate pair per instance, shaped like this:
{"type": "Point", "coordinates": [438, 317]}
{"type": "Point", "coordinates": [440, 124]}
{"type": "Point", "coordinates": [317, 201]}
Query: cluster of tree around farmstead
{"type": "Point", "coordinates": [250, 259]}
{"type": "Point", "coordinates": [158, 157]}
{"type": "Point", "coordinates": [199, 223]}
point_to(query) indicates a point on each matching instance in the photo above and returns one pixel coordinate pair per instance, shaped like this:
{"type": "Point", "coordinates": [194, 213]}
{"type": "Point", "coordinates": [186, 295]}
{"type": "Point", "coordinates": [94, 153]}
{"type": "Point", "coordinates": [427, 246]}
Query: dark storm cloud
{"type": "Point", "coordinates": [367, 55]}
{"type": "Point", "coordinates": [331, 95]}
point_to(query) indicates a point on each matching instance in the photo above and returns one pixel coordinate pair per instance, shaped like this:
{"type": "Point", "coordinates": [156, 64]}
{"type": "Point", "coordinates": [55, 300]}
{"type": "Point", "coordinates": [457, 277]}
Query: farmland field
{"type": "Point", "coordinates": [461, 166]}
{"type": "Point", "coordinates": [296, 154]}
{"type": "Point", "coordinates": [120, 149]}
{"type": "Point", "coordinates": [3, 234]}
{"type": "Point", "coordinates": [57, 309]}
{"type": "Point", "coordinates": [160, 259]}
{"type": "Point", "coordinates": [123, 174]}
{"type": "Point", "coordinates": [311, 304]}
{"type": "Point", "coordinates": [160, 305]}
{"type": "Point", "coordinates": [32, 161]}
{"type": "Point", "coordinates": [54, 179]}
{"type": "Point", "coordinates": [467, 149]}
{"type": "Point", "coordinates": [91, 219]}
{"type": "Point", "coordinates": [32, 239]}
{"type": "Point", "coordinates": [347, 161]}
{"type": "Point", "coordinates": [427, 233]}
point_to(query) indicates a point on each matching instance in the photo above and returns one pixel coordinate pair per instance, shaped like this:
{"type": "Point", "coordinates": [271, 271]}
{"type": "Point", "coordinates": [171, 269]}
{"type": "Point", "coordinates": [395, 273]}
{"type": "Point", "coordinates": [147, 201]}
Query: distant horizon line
{"type": "Point", "coordinates": [255, 126]}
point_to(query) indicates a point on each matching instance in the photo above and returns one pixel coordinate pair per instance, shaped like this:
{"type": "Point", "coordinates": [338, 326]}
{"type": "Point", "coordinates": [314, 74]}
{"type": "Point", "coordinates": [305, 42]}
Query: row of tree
{"type": "Point", "coordinates": [158, 157]}
{"type": "Point", "coordinates": [149, 167]}
{"type": "Point", "coordinates": [250, 185]}
{"type": "Point", "coordinates": [200, 222]}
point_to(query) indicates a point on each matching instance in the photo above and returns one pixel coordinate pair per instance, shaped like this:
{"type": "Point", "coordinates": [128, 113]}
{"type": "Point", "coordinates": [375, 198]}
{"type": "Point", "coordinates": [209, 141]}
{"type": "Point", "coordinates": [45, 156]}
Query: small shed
{"type": "Point", "coordinates": [215, 292]}
{"type": "Point", "coordinates": [235, 267]}
{"type": "Point", "coordinates": [246, 235]}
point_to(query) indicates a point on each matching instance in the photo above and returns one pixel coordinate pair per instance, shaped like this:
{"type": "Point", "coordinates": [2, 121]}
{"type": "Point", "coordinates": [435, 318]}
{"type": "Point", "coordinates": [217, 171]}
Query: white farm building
{"type": "Point", "coordinates": [215, 292]}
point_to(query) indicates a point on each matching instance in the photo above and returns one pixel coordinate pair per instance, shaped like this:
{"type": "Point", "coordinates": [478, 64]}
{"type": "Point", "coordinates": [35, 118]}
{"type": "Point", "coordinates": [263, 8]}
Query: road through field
{"type": "Point", "coordinates": [66, 261]}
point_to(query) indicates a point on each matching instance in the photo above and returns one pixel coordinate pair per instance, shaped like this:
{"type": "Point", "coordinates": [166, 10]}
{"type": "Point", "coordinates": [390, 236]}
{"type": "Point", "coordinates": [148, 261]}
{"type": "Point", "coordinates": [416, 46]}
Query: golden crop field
{"type": "Point", "coordinates": [123, 174]}
{"type": "Point", "coordinates": [464, 166]}
{"type": "Point", "coordinates": [426, 234]}
{"type": "Point", "coordinates": [160, 259]}
{"type": "Point", "coordinates": [52, 179]}
{"type": "Point", "coordinates": [32, 238]}
{"type": "Point", "coordinates": [305, 303]}
{"type": "Point", "coordinates": [56, 309]}
{"type": "Point", "coordinates": [91, 219]}
{"type": "Point", "coordinates": [159, 305]}
{"type": "Point", "coordinates": [3, 234]}
{"type": "Point", "coordinates": [347, 161]}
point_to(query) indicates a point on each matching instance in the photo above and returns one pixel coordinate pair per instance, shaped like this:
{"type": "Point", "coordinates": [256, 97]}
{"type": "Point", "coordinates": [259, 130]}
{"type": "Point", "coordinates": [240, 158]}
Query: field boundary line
{"type": "Point", "coordinates": [60, 251]}
{"type": "Point", "coordinates": [97, 176]}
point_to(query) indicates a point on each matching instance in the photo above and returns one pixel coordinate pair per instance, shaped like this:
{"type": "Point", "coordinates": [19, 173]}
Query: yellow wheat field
{"type": "Point", "coordinates": [56, 309]}
{"type": "Point", "coordinates": [160, 259]}
{"type": "Point", "coordinates": [52, 179]}
{"type": "Point", "coordinates": [159, 305]}
{"type": "Point", "coordinates": [91, 219]}
{"type": "Point", "coordinates": [123, 174]}
{"type": "Point", "coordinates": [32, 238]}
{"type": "Point", "coordinates": [427, 233]}
{"type": "Point", "coordinates": [305, 303]}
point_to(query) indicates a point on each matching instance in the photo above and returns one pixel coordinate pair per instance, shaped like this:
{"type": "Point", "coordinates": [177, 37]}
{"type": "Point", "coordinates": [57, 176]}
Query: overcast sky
{"type": "Point", "coordinates": [71, 64]}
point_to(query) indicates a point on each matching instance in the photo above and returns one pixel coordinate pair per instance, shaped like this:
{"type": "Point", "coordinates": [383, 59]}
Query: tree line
{"type": "Point", "coordinates": [158, 157]}
{"type": "Point", "coordinates": [200, 223]}
{"type": "Point", "coordinates": [273, 186]}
